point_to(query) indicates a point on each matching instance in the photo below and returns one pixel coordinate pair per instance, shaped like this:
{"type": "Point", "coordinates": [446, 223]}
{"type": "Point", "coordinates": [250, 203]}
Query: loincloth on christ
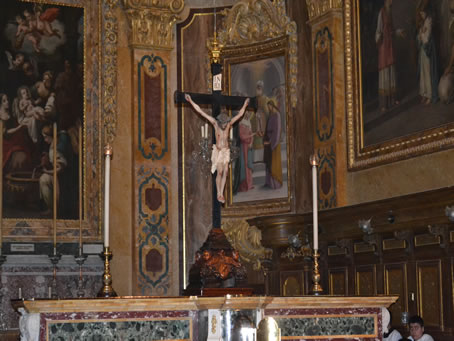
{"type": "Point", "coordinates": [219, 157]}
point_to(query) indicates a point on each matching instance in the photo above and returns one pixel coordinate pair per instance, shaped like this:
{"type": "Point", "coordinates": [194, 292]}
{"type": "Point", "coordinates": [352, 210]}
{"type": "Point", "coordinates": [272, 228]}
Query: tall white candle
{"type": "Point", "coordinates": [203, 131]}
{"type": "Point", "coordinates": [206, 129]}
{"type": "Point", "coordinates": [314, 164]}
{"type": "Point", "coordinates": [54, 187]}
{"type": "Point", "coordinates": [20, 293]}
{"type": "Point", "coordinates": [108, 153]}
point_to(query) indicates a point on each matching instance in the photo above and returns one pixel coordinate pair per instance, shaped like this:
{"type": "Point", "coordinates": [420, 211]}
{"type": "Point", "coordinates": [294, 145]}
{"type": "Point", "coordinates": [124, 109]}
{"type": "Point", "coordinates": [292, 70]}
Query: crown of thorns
{"type": "Point", "coordinates": [223, 118]}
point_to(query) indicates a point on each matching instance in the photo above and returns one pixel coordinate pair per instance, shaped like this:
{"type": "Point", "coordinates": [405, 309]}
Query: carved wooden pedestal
{"type": "Point", "coordinates": [217, 270]}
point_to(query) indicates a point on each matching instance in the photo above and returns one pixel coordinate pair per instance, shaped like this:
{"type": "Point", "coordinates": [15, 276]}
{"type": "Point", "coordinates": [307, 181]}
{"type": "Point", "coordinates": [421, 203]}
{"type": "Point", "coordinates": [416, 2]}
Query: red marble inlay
{"type": "Point", "coordinates": [153, 261]}
{"type": "Point", "coordinates": [153, 106]}
{"type": "Point", "coordinates": [153, 198]}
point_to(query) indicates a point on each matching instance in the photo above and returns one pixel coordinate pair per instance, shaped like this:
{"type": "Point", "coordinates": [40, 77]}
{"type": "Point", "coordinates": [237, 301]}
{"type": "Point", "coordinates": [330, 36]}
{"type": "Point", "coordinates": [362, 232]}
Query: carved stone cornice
{"type": "Point", "coordinates": [251, 21]}
{"type": "Point", "coordinates": [247, 240]}
{"type": "Point", "coordinates": [258, 21]}
{"type": "Point", "coordinates": [317, 8]}
{"type": "Point", "coordinates": [152, 21]}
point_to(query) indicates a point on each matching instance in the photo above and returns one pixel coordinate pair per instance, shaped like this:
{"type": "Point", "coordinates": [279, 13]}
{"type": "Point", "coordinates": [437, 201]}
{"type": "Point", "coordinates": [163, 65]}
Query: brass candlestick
{"type": "Point", "coordinates": [107, 290]}
{"type": "Point", "coordinates": [316, 287]}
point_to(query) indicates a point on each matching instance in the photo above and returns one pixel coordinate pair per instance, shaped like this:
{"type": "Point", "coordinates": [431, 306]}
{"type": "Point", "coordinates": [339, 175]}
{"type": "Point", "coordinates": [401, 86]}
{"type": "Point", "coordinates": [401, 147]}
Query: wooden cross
{"type": "Point", "coordinates": [217, 100]}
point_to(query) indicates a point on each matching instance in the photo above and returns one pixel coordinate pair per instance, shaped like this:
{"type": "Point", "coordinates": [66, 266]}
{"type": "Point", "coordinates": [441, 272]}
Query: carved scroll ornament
{"type": "Point", "coordinates": [258, 21]}
{"type": "Point", "coordinates": [247, 240]}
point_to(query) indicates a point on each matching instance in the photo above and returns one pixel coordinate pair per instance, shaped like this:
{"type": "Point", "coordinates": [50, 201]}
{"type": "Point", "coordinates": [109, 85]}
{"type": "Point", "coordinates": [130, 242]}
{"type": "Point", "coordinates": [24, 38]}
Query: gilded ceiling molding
{"type": "Point", "coordinates": [152, 22]}
{"type": "Point", "coordinates": [257, 21]}
{"type": "Point", "coordinates": [109, 65]}
{"type": "Point", "coordinates": [247, 240]}
{"type": "Point", "coordinates": [317, 8]}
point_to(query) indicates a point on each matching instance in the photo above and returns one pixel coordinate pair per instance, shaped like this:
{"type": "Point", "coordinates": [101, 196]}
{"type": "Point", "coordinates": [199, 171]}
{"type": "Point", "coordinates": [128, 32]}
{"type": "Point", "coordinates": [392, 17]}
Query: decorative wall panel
{"type": "Point", "coordinates": [365, 280]}
{"type": "Point", "coordinates": [338, 281]}
{"type": "Point", "coordinates": [430, 299]}
{"type": "Point", "coordinates": [396, 284]}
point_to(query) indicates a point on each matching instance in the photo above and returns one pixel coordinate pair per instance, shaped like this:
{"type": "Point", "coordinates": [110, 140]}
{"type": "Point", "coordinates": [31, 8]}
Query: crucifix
{"type": "Point", "coordinates": [217, 100]}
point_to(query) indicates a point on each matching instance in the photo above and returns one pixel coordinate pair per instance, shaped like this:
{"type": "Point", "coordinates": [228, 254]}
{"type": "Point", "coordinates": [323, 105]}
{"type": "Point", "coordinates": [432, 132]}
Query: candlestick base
{"type": "Point", "coordinates": [316, 287]}
{"type": "Point", "coordinates": [107, 290]}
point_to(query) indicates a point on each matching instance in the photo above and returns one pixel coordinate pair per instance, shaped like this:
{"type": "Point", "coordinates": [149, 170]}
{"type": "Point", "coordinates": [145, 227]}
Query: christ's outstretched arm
{"type": "Point", "coordinates": [200, 111]}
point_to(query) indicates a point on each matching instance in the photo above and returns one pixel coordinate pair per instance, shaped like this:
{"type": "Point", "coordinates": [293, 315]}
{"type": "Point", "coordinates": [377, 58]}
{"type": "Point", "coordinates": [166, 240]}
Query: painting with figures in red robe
{"type": "Point", "coordinates": [405, 77]}
{"type": "Point", "coordinates": [42, 86]}
{"type": "Point", "coordinates": [260, 172]}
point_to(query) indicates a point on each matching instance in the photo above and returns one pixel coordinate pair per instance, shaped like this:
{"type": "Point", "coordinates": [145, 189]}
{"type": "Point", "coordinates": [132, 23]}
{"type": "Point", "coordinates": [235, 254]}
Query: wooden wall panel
{"type": "Point", "coordinates": [395, 278]}
{"type": "Point", "coordinates": [429, 284]}
{"type": "Point", "coordinates": [366, 280]}
{"type": "Point", "coordinates": [292, 283]}
{"type": "Point", "coordinates": [338, 281]}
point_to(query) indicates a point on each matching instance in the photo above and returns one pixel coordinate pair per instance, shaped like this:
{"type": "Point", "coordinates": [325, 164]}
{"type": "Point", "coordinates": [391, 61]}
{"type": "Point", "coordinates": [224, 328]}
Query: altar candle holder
{"type": "Point", "coordinates": [316, 287]}
{"type": "Point", "coordinates": [107, 289]}
{"type": "Point", "coordinates": [80, 260]}
{"type": "Point", "coordinates": [54, 258]}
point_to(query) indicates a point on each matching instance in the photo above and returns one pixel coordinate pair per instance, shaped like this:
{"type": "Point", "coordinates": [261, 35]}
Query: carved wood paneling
{"type": "Point", "coordinates": [366, 280]}
{"type": "Point", "coordinates": [395, 277]}
{"type": "Point", "coordinates": [430, 301]}
{"type": "Point", "coordinates": [338, 281]}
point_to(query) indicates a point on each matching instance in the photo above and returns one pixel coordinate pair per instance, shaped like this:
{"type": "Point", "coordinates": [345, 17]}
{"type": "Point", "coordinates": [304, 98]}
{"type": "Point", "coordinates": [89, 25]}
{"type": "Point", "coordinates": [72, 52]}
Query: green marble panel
{"type": "Point", "coordinates": [326, 326]}
{"type": "Point", "coordinates": [120, 330]}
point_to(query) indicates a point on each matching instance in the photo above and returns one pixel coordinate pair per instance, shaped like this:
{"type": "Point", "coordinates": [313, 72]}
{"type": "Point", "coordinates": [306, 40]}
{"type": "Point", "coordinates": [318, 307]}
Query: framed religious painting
{"type": "Point", "coordinates": [400, 79]}
{"type": "Point", "coordinates": [259, 177]}
{"type": "Point", "coordinates": [50, 108]}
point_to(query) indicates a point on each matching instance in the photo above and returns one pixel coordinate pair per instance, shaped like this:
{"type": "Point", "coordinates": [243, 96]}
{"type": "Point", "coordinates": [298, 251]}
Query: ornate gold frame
{"type": "Point", "coordinates": [359, 155]}
{"type": "Point", "coordinates": [254, 30]}
{"type": "Point", "coordinates": [100, 118]}
{"type": "Point", "coordinates": [239, 55]}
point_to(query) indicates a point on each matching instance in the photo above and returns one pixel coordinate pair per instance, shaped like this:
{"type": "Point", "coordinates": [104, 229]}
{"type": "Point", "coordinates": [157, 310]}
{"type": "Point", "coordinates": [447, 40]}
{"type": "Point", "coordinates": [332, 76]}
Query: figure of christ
{"type": "Point", "coordinates": [220, 156]}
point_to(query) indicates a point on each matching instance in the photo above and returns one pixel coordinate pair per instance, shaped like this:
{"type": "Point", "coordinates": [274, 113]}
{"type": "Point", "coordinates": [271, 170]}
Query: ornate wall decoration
{"type": "Point", "coordinates": [152, 107]}
{"type": "Point", "coordinates": [327, 178]}
{"type": "Point", "coordinates": [152, 21]}
{"type": "Point", "coordinates": [153, 239]}
{"type": "Point", "coordinates": [109, 66]}
{"type": "Point", "coordinates": [319, 7]}
{"type": "Point", "coordinates": [256, 21]}
{"type": "Point", "coordinates": [247, 240]}
{"type": "Point", "coordinates": [323, 89]}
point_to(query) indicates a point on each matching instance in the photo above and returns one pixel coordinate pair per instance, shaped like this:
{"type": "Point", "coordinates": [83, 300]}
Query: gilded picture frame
{"type": "Point", "coordinates": [410, 113]}
{"type": "Point", "coordinates": [262, 137]}
{"type": "Point", "coordinates": [78, 35]}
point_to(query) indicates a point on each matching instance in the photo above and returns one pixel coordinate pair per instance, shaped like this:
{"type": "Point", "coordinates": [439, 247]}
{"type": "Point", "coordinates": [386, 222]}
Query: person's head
{"type": "Point", "coordinates": [416, 327]}
{"type": "Point", "coordinates": [223, 119]}
{"type": "Point", "coordinates": [27, 14]}
{"type": "Point", "coordinates": [206, 255]}
{"type": "Point", "coordinates": [259, 88]}
{"type": "Point", "coordinates": [4, 104]}
{"type": "Point", "coordinates": [28, 69]}
{"type": "Point", "coordinates": [23, 92]}
{"type": "Point", "coordinates": [47, 78]}
{"type": "Point", "coordinates": [423, 14]}
{"type": "Point", "coordinates": [38, 10]}
{"type": "Point", "coordinates": [19, 19]}
{"type": "Point", "coordinates": [47, 134]}
{"type": "Point", "coordinates": [18, 60]}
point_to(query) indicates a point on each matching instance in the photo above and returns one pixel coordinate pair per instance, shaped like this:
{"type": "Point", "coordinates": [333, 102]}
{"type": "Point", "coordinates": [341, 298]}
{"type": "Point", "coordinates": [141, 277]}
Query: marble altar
{"type": "Point", "coordinates": [201, 318]}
